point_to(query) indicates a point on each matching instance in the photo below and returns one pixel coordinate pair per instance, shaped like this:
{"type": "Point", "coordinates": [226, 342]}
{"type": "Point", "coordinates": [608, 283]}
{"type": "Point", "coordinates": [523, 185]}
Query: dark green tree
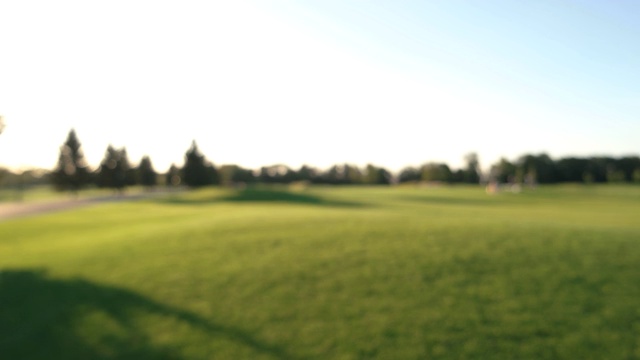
{"type": "Point", "coordinates": [173, 178]}
{"type": "Point", "coordinates": [334, 175]}
{"type": "Point", "coordinates": [374, 175]}
{"type": "Point", "coordinates": [146, 175]}
{"type": "Point", "coordinates": [306, 173]}
{"type": "Point", "coordinates": [277, 174]}
{"type": "Point", "coordinates": [114, 170]}
{"type": "Point", "coordinates": [572, 169]}
{"type": "Point", "coordinates": [213, 177]}
{"type": "Point", "coordinates": [341, 174]}
{"type": "Point", "coordinates": [503, 172]}
{"type": "Point", "coordinates": [458, 176]}
{"type": "Point", "coordinates": [472, 171]}
{"type": "Point", "coordinates": [628, 165]}
{"type": "Point", "coordinates": [352, 174]}
{"type": "Point", "coordinates": [614, 174]}
{"type": "Point", "coordinates": [538, 169]}
{"type": "Point", "coordinates": [196, 171]}
{"type": "Point", "coordinates": [597, 169]}
{"type": "Point", "coordinates": [265, 176]}
{"type": "Point", "coordinates": [234, 174]}
{"type": "Point", "coordinates": [71, 172]}
{"type": "Point", "coordinates": [409, 174]}
{"type": "Point", "coordinates": [436, 172]}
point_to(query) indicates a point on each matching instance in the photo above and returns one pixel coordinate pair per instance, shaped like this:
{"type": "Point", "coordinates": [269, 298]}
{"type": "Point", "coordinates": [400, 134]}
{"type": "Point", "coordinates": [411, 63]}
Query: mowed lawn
{"type": "Point", "coordinates": [328, 273]}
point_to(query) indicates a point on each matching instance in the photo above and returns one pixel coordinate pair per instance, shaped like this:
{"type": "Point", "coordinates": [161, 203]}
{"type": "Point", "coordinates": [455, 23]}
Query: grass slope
{"type": "Point", "coordinates": [340, 273]}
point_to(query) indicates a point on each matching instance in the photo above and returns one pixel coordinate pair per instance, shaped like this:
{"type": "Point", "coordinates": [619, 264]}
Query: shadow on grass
{"type": "Point", "coordinates": [263, 195]}
{"type": "Point", "coordinates": [44, 318]}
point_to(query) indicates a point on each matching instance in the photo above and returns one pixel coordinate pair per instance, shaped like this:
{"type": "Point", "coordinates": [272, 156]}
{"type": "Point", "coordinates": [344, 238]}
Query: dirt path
{"type": "Point", "coordinates": [22, 209]}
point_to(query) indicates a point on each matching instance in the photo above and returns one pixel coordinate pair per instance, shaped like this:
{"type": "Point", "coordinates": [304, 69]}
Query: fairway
{"type": "Point", "coordinates": [328, 273]}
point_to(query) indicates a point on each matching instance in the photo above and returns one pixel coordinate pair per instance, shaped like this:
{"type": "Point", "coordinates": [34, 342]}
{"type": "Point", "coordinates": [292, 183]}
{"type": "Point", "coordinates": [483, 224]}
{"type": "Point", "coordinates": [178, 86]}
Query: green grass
{"type": "Point", "coordinates": [328, 273]}
{"type": "Point", "coordinates": [37, 193]}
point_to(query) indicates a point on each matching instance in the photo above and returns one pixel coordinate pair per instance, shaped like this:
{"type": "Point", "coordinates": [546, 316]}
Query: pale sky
{"type": "Point", "coordinates": [255, 83]}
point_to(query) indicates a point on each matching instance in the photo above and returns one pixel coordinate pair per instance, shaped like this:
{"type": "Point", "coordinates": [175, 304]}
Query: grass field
{"type": "Point", "coordinates": [328, 273]}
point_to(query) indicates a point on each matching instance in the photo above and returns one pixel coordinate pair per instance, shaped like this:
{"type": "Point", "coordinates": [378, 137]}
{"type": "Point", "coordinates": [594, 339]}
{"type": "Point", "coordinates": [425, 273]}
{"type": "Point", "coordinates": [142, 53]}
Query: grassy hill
{"type": "Point", "coordinates": [328, 273]}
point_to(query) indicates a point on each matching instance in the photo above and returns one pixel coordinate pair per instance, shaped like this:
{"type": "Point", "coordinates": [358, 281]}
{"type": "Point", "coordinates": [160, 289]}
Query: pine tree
{"type": "Point", "coordinates": [72, 172]}
{"type": "Point", "coordinates": [146, 175]}
{"type": "Point", "coordinates": [196, 172]}
{"type": "Point", "coordinates": [472, 172]}
{"type": "Point", "coordinates": [114, 170]}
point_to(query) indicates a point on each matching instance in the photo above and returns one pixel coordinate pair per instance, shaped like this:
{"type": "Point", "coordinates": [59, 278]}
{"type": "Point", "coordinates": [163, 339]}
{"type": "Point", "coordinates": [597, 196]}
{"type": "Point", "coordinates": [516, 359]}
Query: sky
{"type": "Point", "coordinates": [319, 82]}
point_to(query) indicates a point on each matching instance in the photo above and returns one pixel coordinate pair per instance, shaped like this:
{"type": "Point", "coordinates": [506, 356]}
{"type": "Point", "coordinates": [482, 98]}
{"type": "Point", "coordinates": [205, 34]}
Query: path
{"type": "Point", "coordinates": [13, 210]}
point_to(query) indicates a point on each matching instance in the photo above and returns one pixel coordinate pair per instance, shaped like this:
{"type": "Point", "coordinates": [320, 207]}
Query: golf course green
{"type": "Point", "coordinates": [406, 272]}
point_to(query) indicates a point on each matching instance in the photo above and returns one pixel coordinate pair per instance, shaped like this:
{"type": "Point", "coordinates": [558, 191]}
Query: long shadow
{"type": "Point", "coordinates": [264, 195]}
{"type": "Point", "coordinates": [44, 318]}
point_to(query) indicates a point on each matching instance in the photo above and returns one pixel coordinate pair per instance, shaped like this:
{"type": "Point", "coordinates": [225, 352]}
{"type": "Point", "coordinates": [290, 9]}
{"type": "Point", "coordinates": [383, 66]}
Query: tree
{"type": "Point", "coordinates": [628, 166]}
{"type": "Point", "coordinates": [71, 172]}
{"type": "Point", "coordinates": [196, 171]}
{"type": "Point", "coordinates": [538, 169]}
{"type": "Point", "coordinates": [276, 174]}
{"type": "Point", "coordinates": [242, 175]}
{"type": "Point", "coordinates": [472, 172]}
{"type": "Point", "coordinates": [334, 175]}
{"type": "Point", "coordinates": [504, 171]}
{"type": "Point", "coordinates": [409, 174]}
{"type": "Point", "coordinates": [597, 169]}
{"type": "Point", "coordinates": [173, 176]}
{"type": "Point", "coordinates": [353, 175]}
{"type": "Point", "coordinates": [213, 178]}
{"type": "Point", "coordinates": [114, 170]}
{"type": "Point", "coordinates": [146, 175]}
{"type": "Point", "coordinates": [436, 172]}
{"type": "Point", "coordinates": [376, 175]}
{"type": "Point", "coordinates": [307, 173]}
{"type": "Point", "coordinates": [572, 169]}
{"type": "Point", "coordinates": [234, 174]}
{"type": "Point", "coordinates": [458, 176]}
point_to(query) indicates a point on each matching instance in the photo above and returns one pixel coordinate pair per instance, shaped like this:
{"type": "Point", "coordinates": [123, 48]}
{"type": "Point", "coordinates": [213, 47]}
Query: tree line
{"type": "Point", "coordinates": [545, 170]}
{"type": "Point", "coordinates": [72, 172]}
{"type": "Point", "coordinates": [115, 171]}
{"type": "Point", "coordinates": [534, 169]}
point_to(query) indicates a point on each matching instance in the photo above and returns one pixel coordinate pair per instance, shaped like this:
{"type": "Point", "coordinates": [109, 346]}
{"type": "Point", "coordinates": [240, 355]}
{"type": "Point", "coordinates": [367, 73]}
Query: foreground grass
{"type": "Point", "coordinates": [340, 273]}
